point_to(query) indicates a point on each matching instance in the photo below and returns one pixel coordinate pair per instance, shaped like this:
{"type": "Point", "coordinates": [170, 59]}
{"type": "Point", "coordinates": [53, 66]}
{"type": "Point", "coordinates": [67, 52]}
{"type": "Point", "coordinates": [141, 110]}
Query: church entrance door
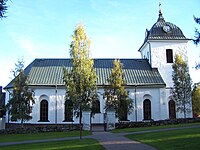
{"type": "Point", "coordinates": [172, 109]}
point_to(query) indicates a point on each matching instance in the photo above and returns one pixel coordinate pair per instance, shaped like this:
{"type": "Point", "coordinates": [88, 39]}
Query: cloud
{"type": "Point", "coordinates": [40, 49]}
{"type": "Point", "coordinates": [28, 46]}
{"type": "Point", "coordinates": [6, 76]}
{"type": "Point", "coordinates": [194, 75]}
{"type": "Point", "coordinates": [111, 46]}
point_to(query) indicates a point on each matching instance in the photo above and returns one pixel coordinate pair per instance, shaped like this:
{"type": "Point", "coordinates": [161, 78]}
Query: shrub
{"type": "Point", "coordinates": [150, 123]}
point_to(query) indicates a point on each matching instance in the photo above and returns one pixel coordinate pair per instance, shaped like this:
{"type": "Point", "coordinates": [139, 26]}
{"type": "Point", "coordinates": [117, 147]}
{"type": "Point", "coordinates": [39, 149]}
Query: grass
{"type": "Point", "coordinates": [84, 144]}
{"type": "Point", "coordinates": [181, 139]}
{"type": "Point", "coordinates": [39, 136]}
{"type": "Point", "coordinates": [153, 128]}
{"type": "Point", "coordinates": [184, 139]}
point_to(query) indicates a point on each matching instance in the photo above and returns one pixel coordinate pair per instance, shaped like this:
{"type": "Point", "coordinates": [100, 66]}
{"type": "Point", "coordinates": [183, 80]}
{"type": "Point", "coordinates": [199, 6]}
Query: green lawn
{"type": "Point", "coordinates": [38, 136]}
{"type": "Point", "coordinates": [185, 139]}
{"type": "Point", "coordinates": [153, 128]}
{"type": "Point", "coordinates": [84, 144]}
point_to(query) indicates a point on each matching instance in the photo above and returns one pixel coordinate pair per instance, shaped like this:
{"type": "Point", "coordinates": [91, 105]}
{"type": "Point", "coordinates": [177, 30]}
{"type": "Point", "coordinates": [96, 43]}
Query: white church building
{"type": "Point", "coordinates": [148, 81]}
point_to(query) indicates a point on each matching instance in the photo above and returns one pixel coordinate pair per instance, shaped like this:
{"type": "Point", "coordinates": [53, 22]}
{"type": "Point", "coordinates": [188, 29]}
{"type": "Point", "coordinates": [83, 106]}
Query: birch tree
{"type": "Point", "coordinates": [115, 94]}
{"type": "Point", "coordinates": [20, 104]}
{"type": "Point", "coordinates": [181, 91]}
{"type": "Point", "coordinates": [196, 99]}
{"type": "Point", "coordinates": [80, 81]}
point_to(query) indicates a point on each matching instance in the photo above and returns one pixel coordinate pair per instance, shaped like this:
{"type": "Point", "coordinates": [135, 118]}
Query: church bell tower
{"type": "Point", "coordinates": [162, 42]}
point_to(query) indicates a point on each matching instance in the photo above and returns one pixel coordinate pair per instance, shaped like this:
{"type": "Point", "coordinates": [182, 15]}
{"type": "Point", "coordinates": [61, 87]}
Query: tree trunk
{"type": "Point", "coordinates": [184, 110]}
{"type": "Point", "coordinates": [22, 121]}
{"type": "Point", "coordinates": [80, 121]}
{"type": "Point", "coordinates": [184, 105]}
{"type": "Point", "coordinates": [91, 121]}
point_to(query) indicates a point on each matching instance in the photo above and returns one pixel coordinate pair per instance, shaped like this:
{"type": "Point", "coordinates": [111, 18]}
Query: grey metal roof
{"type": "Point", "coordinates": [157, 32]}
{"type": "Point", "coordinates": [50, 72]}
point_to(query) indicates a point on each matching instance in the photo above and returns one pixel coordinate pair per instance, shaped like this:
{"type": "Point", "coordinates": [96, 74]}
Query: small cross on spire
{"type": "Point", "coordinates": [160, 13]}
{"type": "Point", "coordinates": [160, 9]}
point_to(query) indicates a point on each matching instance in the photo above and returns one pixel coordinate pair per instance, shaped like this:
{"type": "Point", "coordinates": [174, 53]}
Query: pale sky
{"type": "Point", "coordinates": [43, 28]}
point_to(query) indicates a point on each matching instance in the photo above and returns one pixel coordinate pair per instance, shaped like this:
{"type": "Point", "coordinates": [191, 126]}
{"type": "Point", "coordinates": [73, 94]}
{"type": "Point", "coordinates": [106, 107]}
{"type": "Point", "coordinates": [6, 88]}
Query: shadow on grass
{"type": "Point", "coordinates": [40, 136]}
{"type": "Point", "coordinates": [84, 144]}
{"type": "Point", "coordinates": [174, 140]}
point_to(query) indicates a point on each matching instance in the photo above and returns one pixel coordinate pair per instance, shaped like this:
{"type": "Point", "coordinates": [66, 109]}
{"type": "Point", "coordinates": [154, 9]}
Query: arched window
{"type": "Point", "coordinates": [44, 110]}
{"type": "Point", "coordinates": [68, 111]}
{"type": "Point", "coordinates": [172, 109]}
{"type": "Point", "coordinates": [147, 109]}
{"type": "Point", "coordinates": [96, 106]}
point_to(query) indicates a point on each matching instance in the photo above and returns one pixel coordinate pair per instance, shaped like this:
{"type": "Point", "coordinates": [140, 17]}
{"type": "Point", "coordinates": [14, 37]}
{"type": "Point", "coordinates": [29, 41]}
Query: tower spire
{"type": "Point", "coordinates": [160, 9]}
{"type": "Point", "coordinates": [160, 13]}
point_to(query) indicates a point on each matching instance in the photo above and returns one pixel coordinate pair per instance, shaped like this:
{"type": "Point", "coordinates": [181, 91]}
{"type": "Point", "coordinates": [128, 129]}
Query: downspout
{"type": "Point", "coordinates": [135, 104]}
{"type": "Point", "coordinates": [150, 53]}
{"type": "Point", "coordinates": [8, 110]}
{"type": "Point", "coordinates": [56, 103]}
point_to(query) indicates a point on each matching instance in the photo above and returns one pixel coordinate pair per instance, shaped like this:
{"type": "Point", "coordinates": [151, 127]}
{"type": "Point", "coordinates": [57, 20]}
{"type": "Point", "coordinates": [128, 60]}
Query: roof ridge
{"type": "Point", "coordinates": [91, 58]}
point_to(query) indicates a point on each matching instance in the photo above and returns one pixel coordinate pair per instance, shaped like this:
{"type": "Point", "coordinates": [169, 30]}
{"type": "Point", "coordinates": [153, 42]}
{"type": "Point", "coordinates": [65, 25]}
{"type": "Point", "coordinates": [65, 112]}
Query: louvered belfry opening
{"type": "Point", "coordinates": [169, 55]}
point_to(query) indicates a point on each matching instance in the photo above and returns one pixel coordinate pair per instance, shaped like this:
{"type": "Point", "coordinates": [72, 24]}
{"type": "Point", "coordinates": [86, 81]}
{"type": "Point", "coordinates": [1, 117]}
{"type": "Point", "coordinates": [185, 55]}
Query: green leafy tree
{"type": "Point", "coordinates": [3, 8]}
{"type": "Point", "coordinates": [80, 81]}
{"type": "Point", "coordinates": [20, 104]}
{"type": "Point", "coordinates": [196, 39]}
{"type": "Point", "coordinates": [197, 33]}
{"type": "Point", "coordinates": [181, 91]}
{"type": "Point", "coordinates": [116, 97]}
{"type": "Point", "coordinates": [196, 99]}
{"type": "Point", "coordinates": [2, 103]}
